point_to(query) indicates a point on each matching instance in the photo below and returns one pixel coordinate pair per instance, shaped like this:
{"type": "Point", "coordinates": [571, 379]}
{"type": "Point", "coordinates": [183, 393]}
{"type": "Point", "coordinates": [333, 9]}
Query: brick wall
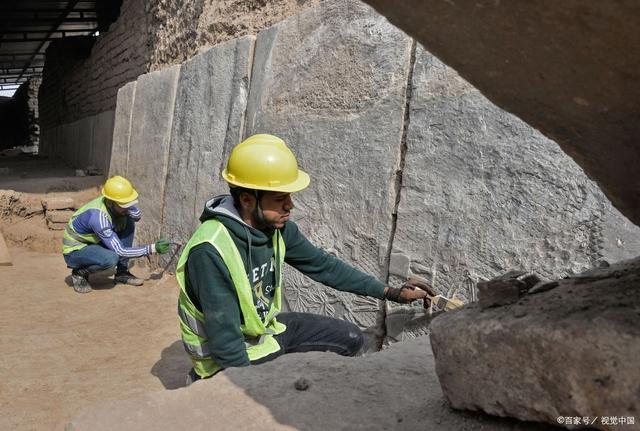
{"type": "Point", "coordinates": [82, 74]}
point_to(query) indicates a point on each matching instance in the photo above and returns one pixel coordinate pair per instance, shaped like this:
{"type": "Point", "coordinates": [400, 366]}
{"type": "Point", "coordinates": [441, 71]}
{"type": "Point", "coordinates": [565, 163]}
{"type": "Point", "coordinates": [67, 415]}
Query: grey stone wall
{"type": "Point", "coordinates": [83, 144]}
{"type": "Point", "coordinates": [483, 192]}
{"type": "Point", "coordinates": [413, 170]}
{"type": "Point", "coordinates": [331, 82]}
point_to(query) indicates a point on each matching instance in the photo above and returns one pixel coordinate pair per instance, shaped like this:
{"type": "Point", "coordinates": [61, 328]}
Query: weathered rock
{"type": "Point", "coordinates": [122, 130]}
{"type": "Point", "coordinates": [151, 123]}
{"type": "Point", "coordinates": [27, 206]}
{"type": "Point", "coordinates": [396, 389]}
{"type": "Point", "coordinates": [505, 289]}
{"type": "Point", "coordinates": [210, 104]}
{"type": "Point", "coordinates": [59, 216]}
{"type": "Point", "coordinates": [566, 68]}
{"type": "Point", "coordinates": [567, 352]}
{"type": "Point", "coordinates": [56, 226]}
{"type": "Point", "coordinates": [482, 192]}
{"type": "Point", "coordinates": [347, 135]}
{"type": "Point", "coordinates": [58, 203]}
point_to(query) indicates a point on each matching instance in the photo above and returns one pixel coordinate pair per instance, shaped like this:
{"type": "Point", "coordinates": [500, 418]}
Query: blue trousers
{"type": "Point", "coordinates": [97, 257]}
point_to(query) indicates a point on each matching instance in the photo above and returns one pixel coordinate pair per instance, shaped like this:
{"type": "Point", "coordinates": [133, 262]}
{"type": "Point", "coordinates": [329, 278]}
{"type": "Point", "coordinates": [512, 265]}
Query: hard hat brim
{"type": "Point", "coordinates": [128, 204]}
{"type": "Point", "coordinates": [300, 183]}
{"type": "Point", "coordinates": [130, 200]}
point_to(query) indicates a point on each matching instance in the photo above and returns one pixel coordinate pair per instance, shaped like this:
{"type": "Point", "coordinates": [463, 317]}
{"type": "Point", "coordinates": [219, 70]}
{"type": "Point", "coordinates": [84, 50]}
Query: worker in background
{"type": "Point", "coordinates": [230, 273]}
{"type": "Point", "coordinates": [99, 236]}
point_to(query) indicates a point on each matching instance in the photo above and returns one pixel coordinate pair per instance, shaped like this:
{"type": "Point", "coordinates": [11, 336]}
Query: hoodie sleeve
{"type": "Point", "coordinates": [210, 287]}
{"type": "Point", "coordinates": [325, 268]}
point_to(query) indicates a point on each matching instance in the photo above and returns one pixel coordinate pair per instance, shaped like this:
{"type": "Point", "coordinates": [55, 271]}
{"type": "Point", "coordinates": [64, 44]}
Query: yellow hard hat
{"type": "Point", "coordinates": [120, 190]}
{"type": "Point", "coordinates": [264, 162]}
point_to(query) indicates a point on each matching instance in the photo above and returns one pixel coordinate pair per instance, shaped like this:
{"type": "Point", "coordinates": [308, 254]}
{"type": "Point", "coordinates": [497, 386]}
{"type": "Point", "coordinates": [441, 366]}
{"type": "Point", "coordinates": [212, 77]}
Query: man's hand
{"type": "Point", "coordinates": [161, 246]}
{"type": "Point", "coordinates": [420, 284]}
{"type": "Point", "coordinates": [412, 289]}
{"type": "Point", "coordinates": [404, 295]}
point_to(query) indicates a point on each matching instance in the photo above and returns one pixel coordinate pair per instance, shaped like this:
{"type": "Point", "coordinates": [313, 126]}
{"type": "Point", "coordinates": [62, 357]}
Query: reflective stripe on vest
{"type": "Point", "coordinates": [72, 240]}
{"type": "Point", "coordinates": [259, 340]}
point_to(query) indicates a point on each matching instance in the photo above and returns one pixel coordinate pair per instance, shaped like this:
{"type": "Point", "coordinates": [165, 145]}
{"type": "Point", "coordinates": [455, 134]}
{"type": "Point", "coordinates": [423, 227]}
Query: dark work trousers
{"type": "Point", "coordinates": [97, 257]}
{"type": "Point", "coordinates": [308, 332]}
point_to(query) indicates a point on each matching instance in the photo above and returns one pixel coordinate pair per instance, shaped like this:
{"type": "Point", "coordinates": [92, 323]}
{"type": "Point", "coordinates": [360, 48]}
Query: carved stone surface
{"type": "Point", "coordinates": [567, 68]}
{"type": "Point", "coordinates": [149, 146]}
{"type": "Point", "coordinates": [122, 130]}
{"type": "Point", "coordinates": [346, 135]}
{"type": "Point", "coordinates": [209, 111]}
{"type": "Point", "coordinates": [483, 193]}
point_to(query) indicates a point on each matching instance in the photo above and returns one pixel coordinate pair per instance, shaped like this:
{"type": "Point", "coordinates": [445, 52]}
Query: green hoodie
{"type": "Point", "coordinates": [209, 285]}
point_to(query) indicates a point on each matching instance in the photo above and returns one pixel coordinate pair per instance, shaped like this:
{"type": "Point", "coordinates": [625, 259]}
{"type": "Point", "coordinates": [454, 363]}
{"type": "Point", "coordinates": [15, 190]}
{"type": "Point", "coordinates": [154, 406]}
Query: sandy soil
{"type": "Point", "coordinates": [24, 182]}
{"type": "Point", "coordinates": [62, 351]}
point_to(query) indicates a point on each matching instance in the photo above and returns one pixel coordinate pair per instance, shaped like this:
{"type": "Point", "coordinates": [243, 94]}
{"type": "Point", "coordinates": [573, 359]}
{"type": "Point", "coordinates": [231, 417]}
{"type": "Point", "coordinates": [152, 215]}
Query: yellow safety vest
{"type": "Point", "coordinates": [259, 340]}
{"type": "Point", "coordinates": [72, 240]}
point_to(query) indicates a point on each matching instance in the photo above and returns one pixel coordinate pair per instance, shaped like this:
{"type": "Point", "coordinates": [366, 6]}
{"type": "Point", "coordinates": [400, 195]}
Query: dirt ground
{"type": "Point", "coordinates": [62, 351]}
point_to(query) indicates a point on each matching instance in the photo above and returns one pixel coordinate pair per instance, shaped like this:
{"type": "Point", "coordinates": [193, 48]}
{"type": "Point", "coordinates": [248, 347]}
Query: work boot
{"type": "Point", "coordinates": [80, 280]}
{"type": "Point", "coordinates": [125, 277]}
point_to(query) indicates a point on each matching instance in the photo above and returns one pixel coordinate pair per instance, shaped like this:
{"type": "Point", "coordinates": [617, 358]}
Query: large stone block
{"type": "Point", "coordinates": [565, 67]}
{"type": "Point", "coordinates": [101, 141]}
{"type": "Point", "coordinates": [331, 82]}
{"type": "Point", "coordinates": [483, 193]}
{"type": "Point", "coordinates": [151, 123]}
{"type": "Point", "coordinates": [53, 203]}
{"type": "Point", "coordinates": [210, 103]}
{"type": "Point", "coordinates": [84, 144]}
{"type": "Point", "coordinates": [122, 130]}
{"type": "Point", "coordinates": [570, 350]}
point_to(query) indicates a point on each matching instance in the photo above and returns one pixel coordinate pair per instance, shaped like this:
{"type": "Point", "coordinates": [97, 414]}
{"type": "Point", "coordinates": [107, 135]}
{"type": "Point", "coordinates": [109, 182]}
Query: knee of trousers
{"type": "Point", "coordinates": [112, 260]}
{"type": "Point", "coordinates": [356, 339]}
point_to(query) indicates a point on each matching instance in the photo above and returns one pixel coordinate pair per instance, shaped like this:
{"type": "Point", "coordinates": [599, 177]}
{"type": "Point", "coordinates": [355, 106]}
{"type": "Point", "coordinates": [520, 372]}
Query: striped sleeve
{"type": "Point", "coordinates": [135, 213]}
{"type": "Point", "coordinates": [110, 239]}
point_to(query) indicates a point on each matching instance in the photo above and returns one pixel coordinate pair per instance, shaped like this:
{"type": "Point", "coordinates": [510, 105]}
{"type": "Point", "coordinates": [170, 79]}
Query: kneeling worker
{"type": "Point", "coordinates": [230, 273]}
{"type": "Point", "coordinates": [100, 236]}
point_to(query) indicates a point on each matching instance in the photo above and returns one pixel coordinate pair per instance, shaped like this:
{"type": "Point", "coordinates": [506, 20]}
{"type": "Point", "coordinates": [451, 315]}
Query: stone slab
{"type": "Point", "coordinates": [101, 141]}
{"type": "Point", "coordinates": [59, 216]}
{"type": "Point", "coordinates": [151, 124]}
{"type": "Point", "coordinates": [58, 203]}
{"type": "Point", "coordinates": [122, 130]}
{"type": "Point", "coordinates": [571, 351]}
{"type": "Point", "coordinates": [346, 135]}
{"type": "Point", "coordinates": [209, 112]}
{"type": "Point", "coordinates": [483, 193]}
{"type": "Point", "coordinates": [84, 145]}
{"type": "Point", "coordinates": [5, 256]}
{"type": "Point", "coordinates": [56, 226]}
{"type": "Point", "coordinates": [396, 389]}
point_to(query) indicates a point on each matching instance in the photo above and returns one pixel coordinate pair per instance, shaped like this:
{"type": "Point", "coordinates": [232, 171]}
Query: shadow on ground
{"type": "Point", "coordinates": [99, 281]}
{"type": "Point", "coordinates": [173, 366]}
